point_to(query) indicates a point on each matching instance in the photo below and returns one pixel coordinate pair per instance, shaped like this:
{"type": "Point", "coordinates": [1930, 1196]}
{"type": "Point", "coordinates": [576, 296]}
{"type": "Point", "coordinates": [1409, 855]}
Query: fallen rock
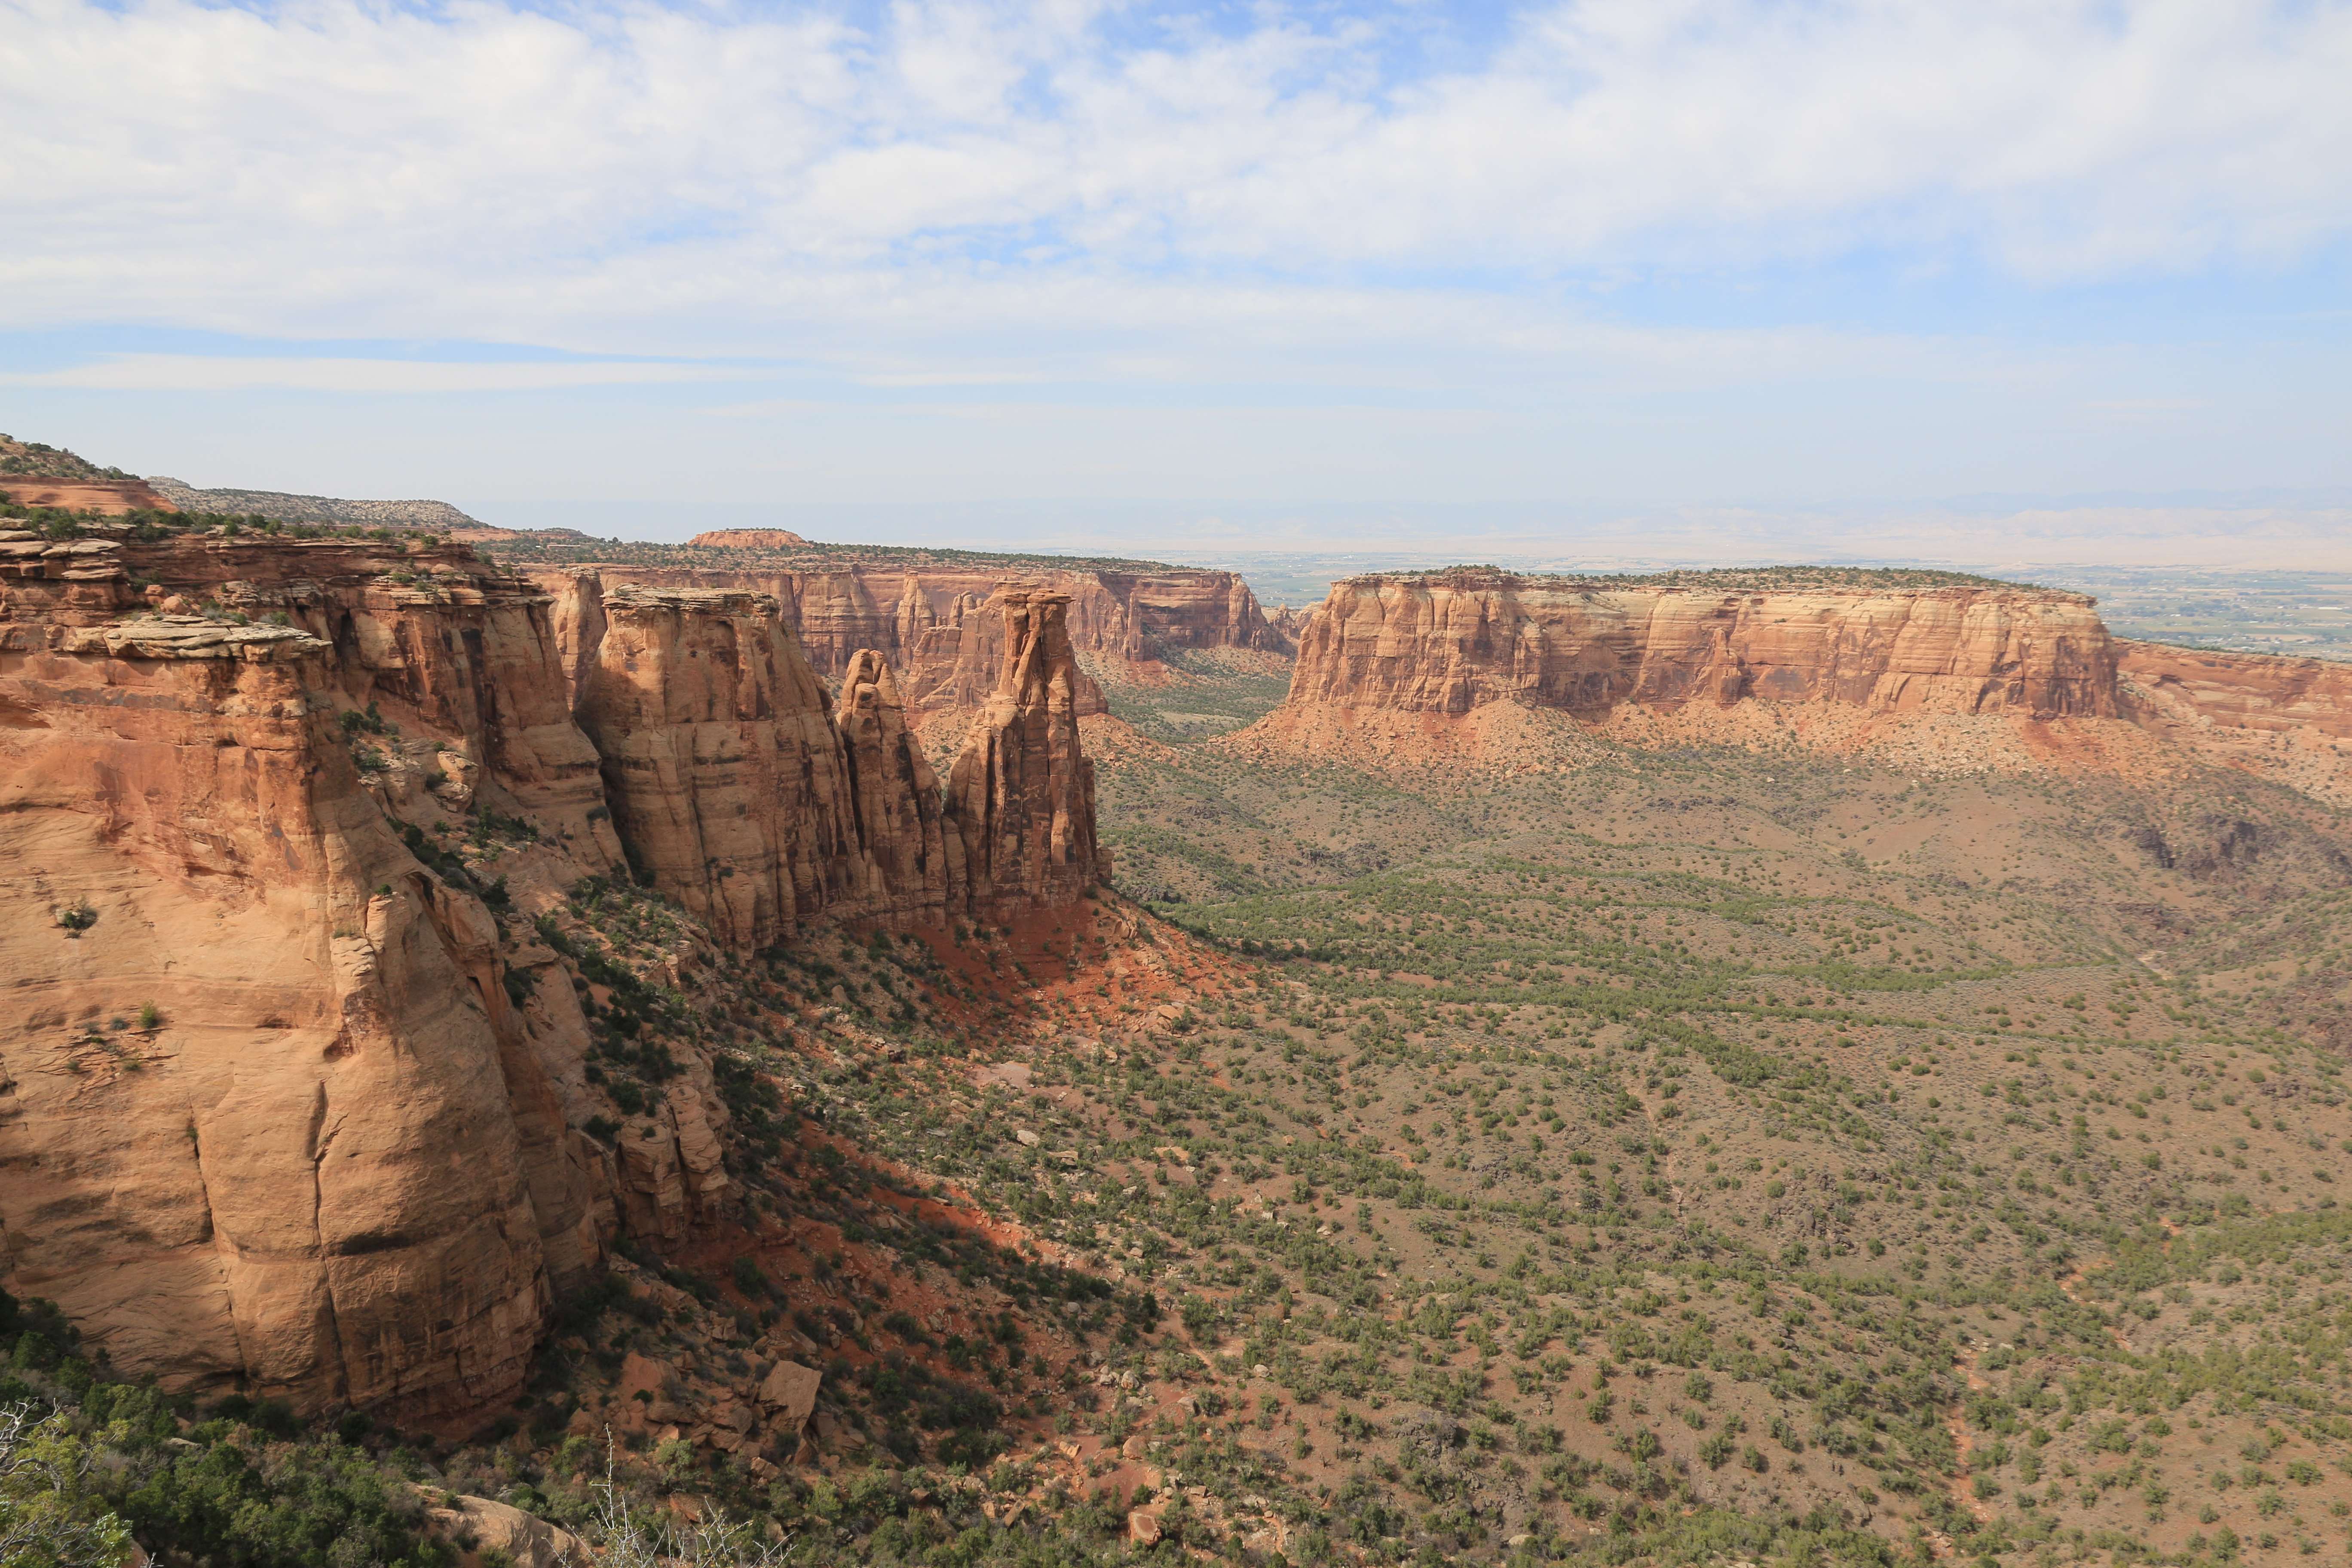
{"type": "Point", "coordinates": [529, 1540]}
{"type": "Point", "coordinates": [789, 1390]}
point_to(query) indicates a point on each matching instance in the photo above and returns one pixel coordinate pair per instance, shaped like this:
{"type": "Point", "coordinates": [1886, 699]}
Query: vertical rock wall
{"type": "Point", "coordinates": [1022, 793]}
{"type": "Point", "coordinates": [342, 1160]}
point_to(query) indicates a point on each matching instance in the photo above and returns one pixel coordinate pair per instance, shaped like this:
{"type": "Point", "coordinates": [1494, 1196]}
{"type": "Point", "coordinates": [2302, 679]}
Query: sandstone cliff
{"type": "Point", "coordinates": [1451, 642]}
{"type": "Point", "coordinates": [253, 1181]}
{"type": "Point", "coordinates": [919, 617]}
{"type": "Point", "coordinates": [727, 781]}
{"type": "Point", "coordinates": [283, 1104]}
{"type": "Point", "coordinates": [1021, 792]}
{"type": "Point", "coordinates": [738, 791]}
{"type": "Point", "coordinates": [2250, 692]}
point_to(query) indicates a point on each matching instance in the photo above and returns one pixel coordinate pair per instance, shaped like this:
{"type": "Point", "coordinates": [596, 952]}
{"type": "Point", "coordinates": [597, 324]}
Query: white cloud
{"type": "Point", "coordinates": [1079, 247]}
{"type": "Point", "coordinates": [576, 174]}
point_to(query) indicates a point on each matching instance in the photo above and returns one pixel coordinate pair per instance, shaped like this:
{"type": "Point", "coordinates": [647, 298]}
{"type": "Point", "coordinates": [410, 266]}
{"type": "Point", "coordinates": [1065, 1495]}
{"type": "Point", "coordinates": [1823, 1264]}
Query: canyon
{"type": "Point", "coordinates": [926, 618]}
{"type": "Point", "coordinates": [562, 1015]}
{"type": "Point", "coordinates": [294, 1103]}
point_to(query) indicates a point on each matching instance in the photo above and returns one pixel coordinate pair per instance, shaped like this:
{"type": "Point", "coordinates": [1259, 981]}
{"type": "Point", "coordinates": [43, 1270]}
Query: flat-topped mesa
{"type": "Point", "coordinates": [1022, 793]}
{"type": "Point", "coordinates": [1451, 642]}
{"type": "Point", "coordinates": [748, 539]}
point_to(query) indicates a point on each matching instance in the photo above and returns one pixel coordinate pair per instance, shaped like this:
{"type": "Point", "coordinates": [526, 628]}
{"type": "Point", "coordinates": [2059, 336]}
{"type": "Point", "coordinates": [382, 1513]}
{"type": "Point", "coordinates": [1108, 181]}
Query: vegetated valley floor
{"type": "Point", "coordinates": [1687, 1155]}
{"type": "Point", "coordinates": [1700, 1138]}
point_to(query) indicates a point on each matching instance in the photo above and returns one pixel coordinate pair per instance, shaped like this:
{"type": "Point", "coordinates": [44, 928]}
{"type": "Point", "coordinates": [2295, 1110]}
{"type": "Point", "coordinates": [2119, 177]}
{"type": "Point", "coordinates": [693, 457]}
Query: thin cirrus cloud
{"type": "Point", "coordinates": [590, 171]}
{"type": "Point", "coordinates": [204, 373]}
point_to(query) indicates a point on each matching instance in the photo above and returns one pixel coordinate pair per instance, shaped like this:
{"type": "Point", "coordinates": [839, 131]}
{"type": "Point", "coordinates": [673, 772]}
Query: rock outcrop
{"type": "Point", "coordinates": [245, 1064]}
{"type": "Point", "coordinates": [924, 619]}
{"type": "Point", "coordinates": [1021, 792]}
{"type": "Point", "coordinates": [1450, 642]}
{"type": "Point", "coordinates": [740, 792]}
{"type": "Point", "coordinates": [915, 856]}
{"type": "Point", "coordinates": [2250, 692]}
{"type": "Point", "coordinates": [727, 782]}
{"type": "Point", "coordinates": [748, 539]}
{"type": "Point", "coordinates": [284, 1106]}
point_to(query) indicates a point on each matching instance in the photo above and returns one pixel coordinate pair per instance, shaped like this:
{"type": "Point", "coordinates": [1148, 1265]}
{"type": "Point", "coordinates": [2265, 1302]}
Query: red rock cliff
{"type": "Point", "coordinates": [333, 1165]}
{"type": "Point", "coordinates": [1020, 792]}
{"type": "Point", "coordinates": [741, 791]}
{"type": "Point", "coordinates": [916, 617]}
{"type": "Point", "coordinates": [342, 1160]}
{"type": "Point", "coordinates": [1450, 642]}
{"type": "Point", "coordinates": [2250, 691]}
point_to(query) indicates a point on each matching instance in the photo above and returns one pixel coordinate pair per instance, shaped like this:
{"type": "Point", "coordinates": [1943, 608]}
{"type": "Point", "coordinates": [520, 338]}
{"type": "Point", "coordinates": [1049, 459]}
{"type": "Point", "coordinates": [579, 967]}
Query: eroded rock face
{"type": "Point", "coordinates": [730, 785]}
{"type": "Point", "coordinates": [344, 1160]}
{"type": "Point", "coordinates": [917, 618]}
{"type": "Point", "coordinates": [2250, 692]}
{"type": "Point", "coordinates": [1449, 643]}
{"type": "Point", "coordinates": [1022, 794]}
{"type": "Point", "coordinates": [742, 792]}
{"type": "Point", "coordinates": [915, 860]}
{"type": "Point", "coordinates": [258, 1186]}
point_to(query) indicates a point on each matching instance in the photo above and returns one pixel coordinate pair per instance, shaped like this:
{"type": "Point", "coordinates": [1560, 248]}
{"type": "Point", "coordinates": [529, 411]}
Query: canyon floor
{"type": "Point", "coordinates": [1661, 1142]}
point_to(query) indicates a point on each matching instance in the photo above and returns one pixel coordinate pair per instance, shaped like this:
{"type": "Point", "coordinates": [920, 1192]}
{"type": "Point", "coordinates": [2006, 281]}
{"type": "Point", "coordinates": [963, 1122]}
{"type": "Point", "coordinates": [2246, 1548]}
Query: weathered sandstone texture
{"type": "Point", "coordinates": [915, 856]}
{"type": "Point", "coordinates": [1021, 792]}
{"type": "Point", "coordinates": [728, 783]}
{"type": "Point", "coordinates": [924, 620]}
{"type": "Point", "coordinates": [2250, 692]}
{"type": "Point", "coordinates": [255, 1181]}
{"type": "Point", "coordinates": [741, 793]}
{"type": "Point", "coordinates": [111, 497]}
{"type": "Point", "coordinates": [284, 1106]}
{"type": "Point", "coordinates": [1450, 642]}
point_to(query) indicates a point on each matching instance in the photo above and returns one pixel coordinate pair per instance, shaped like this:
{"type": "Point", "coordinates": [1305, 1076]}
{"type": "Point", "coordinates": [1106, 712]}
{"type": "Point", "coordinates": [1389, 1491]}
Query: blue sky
{"type": "Point", "coordinates": [1119, 274]}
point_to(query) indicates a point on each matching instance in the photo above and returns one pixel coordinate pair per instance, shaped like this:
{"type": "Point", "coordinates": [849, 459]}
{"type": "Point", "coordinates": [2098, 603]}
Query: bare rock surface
{"type": "Point", "coordinates": [1020, 792]}
{"type": "Point", "coordinates": [1451, 642]}
{"type": "Point", "coordinates": [286, 1105]}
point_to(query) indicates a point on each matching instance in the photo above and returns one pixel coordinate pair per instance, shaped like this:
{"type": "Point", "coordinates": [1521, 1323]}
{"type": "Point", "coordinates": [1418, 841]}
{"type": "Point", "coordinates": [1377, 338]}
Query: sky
{"type": "Point", "coordinates": [1754, 279]}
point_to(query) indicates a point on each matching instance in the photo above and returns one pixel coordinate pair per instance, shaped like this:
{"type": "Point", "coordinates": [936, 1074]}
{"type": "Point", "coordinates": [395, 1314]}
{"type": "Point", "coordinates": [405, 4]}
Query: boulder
{"type": "Point", "coordinates": [529, 1540]}
{"type": "Point", "coordinates": [789, 1391]}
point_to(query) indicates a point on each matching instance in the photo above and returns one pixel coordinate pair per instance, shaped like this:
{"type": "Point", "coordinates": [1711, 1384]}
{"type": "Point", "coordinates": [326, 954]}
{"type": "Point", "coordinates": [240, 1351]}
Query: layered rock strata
{"type": "Point", "coordinates": [2250, 691]}
{"type": "Point", "coordinates": [1022, 793]}
{"type": "Point", "coordinates": [730, 785]}
{"type": "Point", "coordinates": [282, 1106]}
{"type": "Point", "coordinates": [741, 791]}
{"type": "Point", "coordinates": [250, 1040]}
{"type": "Point", "coordinates": [925, 620]}
{"type": "Point", "coordinates": [1447, 643]}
